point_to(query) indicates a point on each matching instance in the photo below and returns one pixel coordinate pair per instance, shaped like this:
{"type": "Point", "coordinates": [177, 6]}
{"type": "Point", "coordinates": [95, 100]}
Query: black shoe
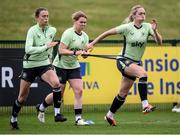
{"type": "Point", "coordinates": [59, 118]}
{"type": "Point", "coordinates": [14, 125]}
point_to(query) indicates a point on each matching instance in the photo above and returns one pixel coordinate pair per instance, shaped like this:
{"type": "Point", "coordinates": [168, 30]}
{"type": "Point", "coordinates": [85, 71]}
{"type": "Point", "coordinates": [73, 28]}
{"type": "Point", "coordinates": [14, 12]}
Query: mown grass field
{"type": "Point", "coordinates": [17, 15]}
{"type": "Point", "coordinates": [128, 123]}
{"type": "Point", "coordinates": [130, 120]}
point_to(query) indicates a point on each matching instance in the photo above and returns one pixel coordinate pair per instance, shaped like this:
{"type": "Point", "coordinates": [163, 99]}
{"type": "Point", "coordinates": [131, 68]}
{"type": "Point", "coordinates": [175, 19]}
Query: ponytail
{"type": "Point", "coordinates": [133, 11]}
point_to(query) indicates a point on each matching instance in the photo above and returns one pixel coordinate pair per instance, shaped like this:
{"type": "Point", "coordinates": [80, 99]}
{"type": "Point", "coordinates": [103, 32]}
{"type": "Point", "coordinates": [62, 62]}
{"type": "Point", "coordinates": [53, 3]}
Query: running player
{"type": "Point", "coordinates": [36, 63]}
{"type": "Point", "coordinates": [66, 63]}
{"type": "Point", "coordinates": [136, 33]}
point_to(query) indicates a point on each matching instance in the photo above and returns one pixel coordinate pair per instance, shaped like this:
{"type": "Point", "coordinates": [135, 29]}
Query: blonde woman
{"type": "Point", "coordinates": [136, 33]}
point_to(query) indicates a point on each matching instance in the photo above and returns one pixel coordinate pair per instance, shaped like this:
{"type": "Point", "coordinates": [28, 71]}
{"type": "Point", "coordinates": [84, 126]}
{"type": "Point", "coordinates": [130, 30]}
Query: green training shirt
{"type": "Point", "coordinates": [36, 51]}
{"type": "Point", "coordinates": [73, 41]}
{"type": "Point", "coordinates": [135, 39]}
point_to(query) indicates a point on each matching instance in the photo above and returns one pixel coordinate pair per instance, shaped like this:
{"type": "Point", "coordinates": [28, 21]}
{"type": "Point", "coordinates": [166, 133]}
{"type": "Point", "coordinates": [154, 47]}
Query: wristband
{"type": "Point", "coordinates": [74, 52]}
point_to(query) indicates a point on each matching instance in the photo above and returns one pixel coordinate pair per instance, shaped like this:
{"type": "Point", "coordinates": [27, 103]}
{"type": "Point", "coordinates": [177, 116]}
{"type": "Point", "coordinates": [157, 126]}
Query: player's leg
{"type": "Point", "coordinates": [119, 100]}
{"type": "Point", "coordinates": [51, 78]}
{"type": "Point", "coordinates": [77, 86]}
{"type": "Point", "coordinates": [23, 94]}
{"type": "Point", "coordinates": [138, 71]}
{"type": "Point", "coordinates": [47, 102]}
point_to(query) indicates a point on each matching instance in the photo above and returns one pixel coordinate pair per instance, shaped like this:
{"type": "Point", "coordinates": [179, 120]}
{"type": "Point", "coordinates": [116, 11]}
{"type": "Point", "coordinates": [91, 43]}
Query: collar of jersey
{"type": "Point", "coordinates": [46, 27]}
{"type": "Point", "coordinates": [79, 34]}
{"type": "Point", "coordinates": [137, 27]}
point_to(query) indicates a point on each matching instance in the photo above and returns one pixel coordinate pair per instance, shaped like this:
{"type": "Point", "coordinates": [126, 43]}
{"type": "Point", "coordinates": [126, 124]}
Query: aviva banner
{"type": "Point", "coordinates": [102, 80]}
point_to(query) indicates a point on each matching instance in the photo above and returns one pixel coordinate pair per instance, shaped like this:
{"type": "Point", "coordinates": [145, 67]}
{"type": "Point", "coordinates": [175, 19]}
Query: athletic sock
{"type": "Point", "coordinates": [56, 111]}
{"type": "Point", "coordinates": [117, 103]}
{"type": "Point", "coordinates": [57, 100]}
{"type": "Point", "coordinates": [142, 88]}
{"type": "Point", "coordinates": [78, 113]}
{"type": "Point", "coordinates": [110, 114]}
{"type": "Point", "coordinates": [144, 103]}
{"type": "Point", "coordinates": [43, 106]}
{"type": "Point", "coordinates": [13, 119]}
{"type": "Point", "coordinates": [15, 110]}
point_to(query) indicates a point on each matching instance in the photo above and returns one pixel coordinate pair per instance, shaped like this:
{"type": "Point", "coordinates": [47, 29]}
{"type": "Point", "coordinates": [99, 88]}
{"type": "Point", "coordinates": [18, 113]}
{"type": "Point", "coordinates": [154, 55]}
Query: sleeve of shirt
{"type": "Point", "coordinates": [66, 38]}
{"type": "Point", "coordinates": [121, 29]}
{"type": "Point", "coordinates": [29, 48]}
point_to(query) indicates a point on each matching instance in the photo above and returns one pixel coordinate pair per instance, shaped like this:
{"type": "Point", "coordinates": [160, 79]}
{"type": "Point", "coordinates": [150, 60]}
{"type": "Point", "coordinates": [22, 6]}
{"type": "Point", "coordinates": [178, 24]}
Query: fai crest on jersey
{"type": "Point", "coordinates": [24, 75]}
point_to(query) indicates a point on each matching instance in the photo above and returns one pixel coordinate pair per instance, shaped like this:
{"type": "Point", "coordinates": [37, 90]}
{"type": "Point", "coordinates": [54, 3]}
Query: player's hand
{"type": "Point", "coordinates": [85, 54]}
{"type": "Point", "coordinates": [52, 44]}
{"type": "Point", "coordinates": [80, 52]}
{"type": "Point", "coordinates": [89, 47]}
{"type": "Point", "coordinates": [154, 24]}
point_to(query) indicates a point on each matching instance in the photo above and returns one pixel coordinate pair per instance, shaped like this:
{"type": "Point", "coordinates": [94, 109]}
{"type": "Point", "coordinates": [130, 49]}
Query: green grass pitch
{"type": "Point", "coordinates": [158, 122]}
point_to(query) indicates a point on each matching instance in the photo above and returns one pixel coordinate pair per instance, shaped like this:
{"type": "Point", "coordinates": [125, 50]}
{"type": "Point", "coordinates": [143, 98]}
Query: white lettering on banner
{"type": "Point", "coordinates": [6, 78]}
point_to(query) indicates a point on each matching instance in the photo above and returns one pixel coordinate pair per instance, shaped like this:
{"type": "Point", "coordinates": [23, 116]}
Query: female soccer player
{"type": "Point", "coordinates": [66, 63]}
{"type": "Point", "coordinates": [136, 33]}
{"type": "Point", "coordinates": [36, 63]}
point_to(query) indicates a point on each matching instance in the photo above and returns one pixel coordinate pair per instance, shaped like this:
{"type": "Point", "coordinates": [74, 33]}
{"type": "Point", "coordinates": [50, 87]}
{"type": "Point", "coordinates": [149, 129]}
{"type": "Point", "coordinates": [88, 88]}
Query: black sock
{"type": "Point", "coordinates": [174, 104]}
{"type": "Point", "coordinates": [57, 97]}
{"type": "Point", "coordinates": [117, 103]}
{"type": "Point", "coordinates": [16, 108]}
{"type": "Point", "coordinates": [78, 111]}
{"type": "Point", "coordinates": [142, 88]}
{"type": "Point", "coordinates": [45, 104]}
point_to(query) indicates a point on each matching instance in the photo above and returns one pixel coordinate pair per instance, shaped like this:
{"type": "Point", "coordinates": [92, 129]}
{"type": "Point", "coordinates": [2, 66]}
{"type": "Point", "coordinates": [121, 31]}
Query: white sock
{"type": "Point", "coordinates": [78, 117]}
{"type": "Point", "coordinates": [13, 119]}
{"type": "Point", "coordinates": [144, 103]}
{"type": "Point", "coordinates": [110, 114]}
{"type": "Point", "coordinates": [56, 111]}
{"type": "Point", "coordinates": [42, 108]}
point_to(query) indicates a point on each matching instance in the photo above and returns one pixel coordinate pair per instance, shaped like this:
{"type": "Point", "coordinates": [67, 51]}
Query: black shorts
{"type": "Point", "coordinates": [66, 74]}
{"type": "Point", "coordinates": [30, 74]}
{"type": "Point", "coordinates": [125, 62]}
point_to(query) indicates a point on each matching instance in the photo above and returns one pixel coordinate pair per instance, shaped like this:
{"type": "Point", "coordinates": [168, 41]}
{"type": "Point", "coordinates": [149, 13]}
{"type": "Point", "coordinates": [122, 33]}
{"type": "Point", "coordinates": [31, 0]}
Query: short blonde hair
{"type": "Point", "coordinates": [133, 11]}
{"type": "Point", "coordinates": [77, 15]}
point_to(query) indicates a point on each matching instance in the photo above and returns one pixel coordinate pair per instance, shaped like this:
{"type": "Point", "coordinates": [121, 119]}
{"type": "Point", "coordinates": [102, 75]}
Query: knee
{"type": "Point", "coordinates": [78, 92]}
{"type": "Point", "coordinates": [122, 93]}
{"type": "Point", "coordinates": [55, 84]}
{"type": "Point", "coordinates": [22, 99]}
{"type": "Point", "coordinates": [143, 75]}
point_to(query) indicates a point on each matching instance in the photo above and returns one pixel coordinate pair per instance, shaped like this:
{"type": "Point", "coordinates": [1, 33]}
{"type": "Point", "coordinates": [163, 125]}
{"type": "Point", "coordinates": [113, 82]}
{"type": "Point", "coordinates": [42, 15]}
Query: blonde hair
{"type": "Point", "coordinates": [77, 15]}
{"type": "Point", "coordinates": [133, 11]}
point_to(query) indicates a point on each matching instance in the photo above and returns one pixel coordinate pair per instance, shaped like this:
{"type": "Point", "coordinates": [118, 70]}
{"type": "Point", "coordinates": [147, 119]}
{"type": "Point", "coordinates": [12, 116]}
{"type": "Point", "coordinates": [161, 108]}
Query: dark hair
{"type": "Point", "coordinates": [77, 15]}
{"type": "Point", "coordinates": [38, 10]}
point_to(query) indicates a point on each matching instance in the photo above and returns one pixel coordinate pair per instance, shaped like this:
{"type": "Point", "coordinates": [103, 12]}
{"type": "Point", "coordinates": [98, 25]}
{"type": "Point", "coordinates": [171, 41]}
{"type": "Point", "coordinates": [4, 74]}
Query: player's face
{"type": "Point", "coordinates": [140, 15]}
{"type": "Point", "coordinates": [81, 23]}
{"type": "Point", "coordinates": [43, 18]}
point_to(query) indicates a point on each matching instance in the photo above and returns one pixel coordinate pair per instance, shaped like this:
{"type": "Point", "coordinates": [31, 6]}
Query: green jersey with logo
{"type": "Point", "coordinates": [36, 51]}
{"type": "Point", "coordinates": [135, 39]}
{"type": "Point", "coordinates": [73, 41]}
